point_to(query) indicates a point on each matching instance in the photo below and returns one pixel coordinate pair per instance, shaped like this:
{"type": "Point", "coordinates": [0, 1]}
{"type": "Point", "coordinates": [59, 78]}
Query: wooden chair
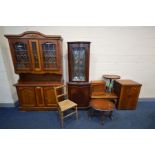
{"type": "Point", "coordinates": [64, 104]}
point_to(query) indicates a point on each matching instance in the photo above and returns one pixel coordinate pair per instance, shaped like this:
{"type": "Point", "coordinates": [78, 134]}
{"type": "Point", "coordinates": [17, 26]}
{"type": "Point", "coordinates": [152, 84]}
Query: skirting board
{"type": "Point", "coordinates": [9, 104]}
{"type": "Point", "coordinates": [16, 103]}
{"type": "Point", "coordinates": [146, 100]}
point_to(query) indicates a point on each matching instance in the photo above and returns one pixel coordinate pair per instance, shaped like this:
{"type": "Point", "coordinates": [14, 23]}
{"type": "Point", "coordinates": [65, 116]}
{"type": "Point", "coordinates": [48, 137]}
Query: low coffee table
{"type": "Point", "coordinates": [103, 107]}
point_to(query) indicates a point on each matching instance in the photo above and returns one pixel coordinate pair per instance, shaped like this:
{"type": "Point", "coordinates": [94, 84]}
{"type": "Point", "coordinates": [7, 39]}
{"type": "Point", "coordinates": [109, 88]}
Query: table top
{"type": "Point", "coordinates": [102, 104]}
{"type": "Point", "coordinates": [111, 76]}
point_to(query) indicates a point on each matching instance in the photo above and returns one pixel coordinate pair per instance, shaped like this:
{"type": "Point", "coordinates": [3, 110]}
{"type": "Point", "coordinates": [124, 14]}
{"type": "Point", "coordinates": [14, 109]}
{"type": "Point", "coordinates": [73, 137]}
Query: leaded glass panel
{"type": "Point", "coordinates": [21, 55]}
{"type": "Point", "coordinates": [78, 57]}
{"type": "Point", "coordinates": [49, 55]}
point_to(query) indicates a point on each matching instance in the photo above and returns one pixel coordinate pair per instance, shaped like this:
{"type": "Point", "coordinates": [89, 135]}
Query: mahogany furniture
{"type": "Point", "coordinates": [78, 68]}
{"type": "Point", "coordinates": [64, 104]}
{"type": "Point", "coordinates": [37, 58]}
{"type": "Point", "coordinates": [111, 78]}
{"type": "Point", "coordinates": [102, 107]}
{"type": "Point", "coordinates": [102, 102]}
{"type": "Point", "coordinates": [98, 91]}
{"type": "Point", "coordinates": [79, 93]}
{"type": "Point", "coordinates": [127, 92]}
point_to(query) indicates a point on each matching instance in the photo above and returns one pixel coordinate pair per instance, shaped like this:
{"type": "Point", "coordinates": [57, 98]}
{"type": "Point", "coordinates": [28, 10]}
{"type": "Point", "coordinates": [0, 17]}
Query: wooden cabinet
{"type": "Point", "coordinates": [33, 52]}
{"type": "Point", "coordinates": [36, 96]}
{"type": "Point", "coordinates": [78, 67]}
{"type": "Point", "coordinates": [128, 93]}
{"type": "Point", "coordinates": [79, 93]}
{"type": "Point", "coordinates": [37, 58]}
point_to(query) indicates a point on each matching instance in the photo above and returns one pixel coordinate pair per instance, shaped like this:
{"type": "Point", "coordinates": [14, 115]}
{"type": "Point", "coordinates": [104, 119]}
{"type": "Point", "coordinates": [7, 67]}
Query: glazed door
{"type": "Point", "coordinates": [35, 55]}
{"type": "Point", "coordinates": [49, 54]}
{"type": "Point", "coordinates": [21, 55]}
{"type": "Point", "coordinates": [78, 60]}
{"type": "Point", "coordinates": [26, 96]}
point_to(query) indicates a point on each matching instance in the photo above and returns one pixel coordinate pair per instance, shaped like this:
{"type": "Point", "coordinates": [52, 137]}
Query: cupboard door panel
{"type": "Point", "coordinates": [79, 94]}
{"type": "Point", "coordinates": [49, 97]}
{"type": "Point", "coordinates": [26, 96]}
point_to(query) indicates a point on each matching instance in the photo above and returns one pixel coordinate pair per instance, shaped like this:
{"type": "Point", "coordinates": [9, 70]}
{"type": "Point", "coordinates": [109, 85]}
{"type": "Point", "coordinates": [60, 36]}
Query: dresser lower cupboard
{"type": "Point", "coordinates": [36, 96]}
{"type": "Point", "coordinates": [37, 59]}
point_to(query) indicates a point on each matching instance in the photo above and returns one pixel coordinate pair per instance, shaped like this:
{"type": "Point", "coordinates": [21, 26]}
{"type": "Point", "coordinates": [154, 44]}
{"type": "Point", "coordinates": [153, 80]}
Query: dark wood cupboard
{"type": "Point", "coordinates": [79, 93]}
{"type": "Point", "coordinates": [37, 58]}
{"type": "Point", "coordinates": [128, 93]}
{"type": "Point", "coordinates": [78, 68]}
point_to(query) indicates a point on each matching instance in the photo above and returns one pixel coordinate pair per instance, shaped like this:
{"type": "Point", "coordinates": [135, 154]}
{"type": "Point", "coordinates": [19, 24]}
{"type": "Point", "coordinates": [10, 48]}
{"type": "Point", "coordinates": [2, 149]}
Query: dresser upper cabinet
{"type": "Point", "coordinates": [78, 61]}
{"type": "Point", "coordinates": [34, 52]}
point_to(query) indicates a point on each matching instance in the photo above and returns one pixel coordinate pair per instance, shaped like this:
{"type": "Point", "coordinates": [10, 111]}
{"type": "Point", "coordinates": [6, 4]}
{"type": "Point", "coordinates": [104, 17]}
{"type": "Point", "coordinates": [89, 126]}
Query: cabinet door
{"type": "Point", "coordinates": [79, 94]}
{"type": "Point", "coordinates": [78, 60]}
{"type": "Point", "coordinates": [21, 55]}
{"type": "Point", "coordinates": [130, 97]}
{"type": "Point", "coordinates": [35, 55]}
{"type": "Point", "coordinates": [49, 54]}
{"type": "Point", "coordinates": [49, 97]}
{"type": "Point", "coordinates": [26, 96]}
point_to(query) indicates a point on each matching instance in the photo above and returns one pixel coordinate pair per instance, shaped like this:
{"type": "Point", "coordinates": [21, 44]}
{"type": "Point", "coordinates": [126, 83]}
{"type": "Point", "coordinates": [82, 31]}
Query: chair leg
{"type": "Point", "coordinates": [62, 119]}
{"type": "Point", "coordinates": [76, 112]}
{"type": "Point", "coordinates": [89, 113]}
{"type": "Point", "coordinates": [110, 115]}
{"type": "Point", "coordinates": [102, 118]}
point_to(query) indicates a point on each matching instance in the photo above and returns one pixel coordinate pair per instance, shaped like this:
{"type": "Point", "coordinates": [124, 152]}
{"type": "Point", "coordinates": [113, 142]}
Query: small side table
{"type": "Point", "coordinates": [111, 78]}
{"type": "Point", "coordinates": [101, 106]}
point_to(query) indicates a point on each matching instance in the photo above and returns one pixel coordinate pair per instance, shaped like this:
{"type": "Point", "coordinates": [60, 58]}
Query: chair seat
{"type": "Point", "coordinates": [66, 104]}
{"type": "Point", "coordinates": [102, 105]}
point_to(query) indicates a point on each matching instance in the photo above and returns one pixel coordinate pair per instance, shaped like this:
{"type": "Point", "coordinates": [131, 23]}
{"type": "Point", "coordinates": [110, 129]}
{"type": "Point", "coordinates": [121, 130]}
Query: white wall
{"type": "Point", "coordinates": [126, 51]}
{"type": "Point", "coordinates": [6, 95]}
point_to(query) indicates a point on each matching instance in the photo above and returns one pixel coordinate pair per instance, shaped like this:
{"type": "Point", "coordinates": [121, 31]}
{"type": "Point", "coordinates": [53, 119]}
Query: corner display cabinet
{"type": "Point", "coordinates": [78, 68]}
{"type": "Point", "coordinates": [37, 58]}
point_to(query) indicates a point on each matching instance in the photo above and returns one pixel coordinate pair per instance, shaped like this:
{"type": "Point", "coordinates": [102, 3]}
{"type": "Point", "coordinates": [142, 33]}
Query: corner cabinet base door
{"type": "Point", "coordinates": [79, 93]}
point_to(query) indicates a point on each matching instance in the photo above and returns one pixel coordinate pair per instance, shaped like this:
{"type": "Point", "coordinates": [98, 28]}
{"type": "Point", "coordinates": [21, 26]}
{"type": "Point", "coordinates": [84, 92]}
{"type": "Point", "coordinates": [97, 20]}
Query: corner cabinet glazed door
{"type": "Point", "coordinates": [21, 55]}
{"type": "Point", "coordinates": [49, 55]}
{"type": "Point", "coordinates": [78, 59]}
